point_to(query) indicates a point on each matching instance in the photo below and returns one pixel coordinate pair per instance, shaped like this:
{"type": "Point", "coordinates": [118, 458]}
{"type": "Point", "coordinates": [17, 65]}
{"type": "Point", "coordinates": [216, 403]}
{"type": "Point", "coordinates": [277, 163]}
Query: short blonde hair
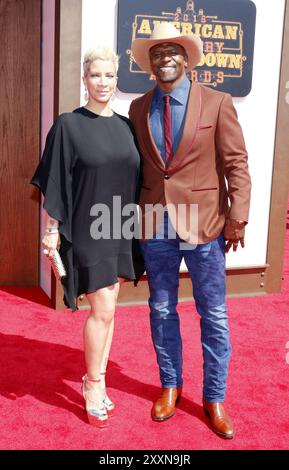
{"type": "Point", "coordinates": [99, 53]}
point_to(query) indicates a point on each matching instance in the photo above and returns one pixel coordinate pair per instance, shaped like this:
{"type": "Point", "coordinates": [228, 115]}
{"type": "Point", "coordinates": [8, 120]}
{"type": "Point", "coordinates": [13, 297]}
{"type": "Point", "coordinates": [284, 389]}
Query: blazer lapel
{"type": "Point", "coordinates": [190, 128]}
{"type": "Point", "coordinates": [148, 140]}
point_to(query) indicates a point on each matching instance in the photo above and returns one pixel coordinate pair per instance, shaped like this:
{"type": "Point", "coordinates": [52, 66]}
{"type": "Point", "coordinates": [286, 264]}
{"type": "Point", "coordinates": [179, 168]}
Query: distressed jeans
{"type": "Point", "coordinates": [206, 267]}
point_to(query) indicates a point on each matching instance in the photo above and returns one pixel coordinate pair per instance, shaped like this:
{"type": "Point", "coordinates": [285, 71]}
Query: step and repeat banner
{"type": "Point", "coordinates": [227, 33]}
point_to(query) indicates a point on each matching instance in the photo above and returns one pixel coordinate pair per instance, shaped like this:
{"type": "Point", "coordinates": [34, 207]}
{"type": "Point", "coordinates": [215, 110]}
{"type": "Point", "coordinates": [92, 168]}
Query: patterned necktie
{"type": "Point", "coordinates": [168, 127]}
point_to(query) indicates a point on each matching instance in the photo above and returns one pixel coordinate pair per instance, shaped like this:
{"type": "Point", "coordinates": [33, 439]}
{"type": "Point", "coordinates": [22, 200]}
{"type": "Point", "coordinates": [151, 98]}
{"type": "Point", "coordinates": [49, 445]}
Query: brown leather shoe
{"type": "Point", "coordinates": [220, 420]}
{"type": "Point", "coordinates": [164, 407]}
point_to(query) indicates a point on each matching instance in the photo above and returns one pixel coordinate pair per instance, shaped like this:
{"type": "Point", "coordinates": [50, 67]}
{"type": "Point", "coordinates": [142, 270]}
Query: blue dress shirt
{"type": "Point", "coordinates": [179, 98]}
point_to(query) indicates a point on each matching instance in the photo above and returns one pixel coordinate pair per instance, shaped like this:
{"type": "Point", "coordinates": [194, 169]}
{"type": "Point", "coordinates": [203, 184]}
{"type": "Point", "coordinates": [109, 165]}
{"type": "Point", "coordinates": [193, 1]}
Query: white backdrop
{"type": "Point", "coordinates": [257, 111]}
{"type": "Point", "coordinates": [47, 92]}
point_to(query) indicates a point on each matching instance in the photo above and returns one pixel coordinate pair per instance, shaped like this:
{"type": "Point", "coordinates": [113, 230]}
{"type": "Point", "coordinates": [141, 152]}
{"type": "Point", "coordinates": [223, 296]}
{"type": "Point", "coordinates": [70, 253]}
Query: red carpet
{"type": "Point", "coordinates": [42, 364]}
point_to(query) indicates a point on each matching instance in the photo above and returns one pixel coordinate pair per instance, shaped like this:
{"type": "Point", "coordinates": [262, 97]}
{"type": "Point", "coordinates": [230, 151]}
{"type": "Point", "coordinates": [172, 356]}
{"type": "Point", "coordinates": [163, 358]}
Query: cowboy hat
{"type": "Point", "coordinates": [166, 32]}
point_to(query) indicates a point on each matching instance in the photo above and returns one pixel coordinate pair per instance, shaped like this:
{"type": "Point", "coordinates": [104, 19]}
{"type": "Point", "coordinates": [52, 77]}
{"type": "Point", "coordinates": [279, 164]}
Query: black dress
{"type": "Point", "coordinates": [88, 173]}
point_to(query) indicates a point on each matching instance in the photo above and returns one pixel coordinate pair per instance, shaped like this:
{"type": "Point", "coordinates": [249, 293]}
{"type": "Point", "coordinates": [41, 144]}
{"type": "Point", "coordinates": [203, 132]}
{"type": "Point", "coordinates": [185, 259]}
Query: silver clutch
{"type": "Point", "coordinates": [57, 264]}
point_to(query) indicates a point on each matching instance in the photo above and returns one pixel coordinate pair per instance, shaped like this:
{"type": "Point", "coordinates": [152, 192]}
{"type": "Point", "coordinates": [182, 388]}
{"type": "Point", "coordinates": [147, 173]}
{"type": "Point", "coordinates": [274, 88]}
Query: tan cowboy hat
{"type": "Point", "coordinates": [166, 32]}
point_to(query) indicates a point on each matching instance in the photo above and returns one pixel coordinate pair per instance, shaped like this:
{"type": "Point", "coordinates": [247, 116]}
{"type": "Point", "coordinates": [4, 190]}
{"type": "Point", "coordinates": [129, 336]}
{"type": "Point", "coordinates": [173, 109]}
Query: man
{"type": "Point", "coordinates": [193, 155]}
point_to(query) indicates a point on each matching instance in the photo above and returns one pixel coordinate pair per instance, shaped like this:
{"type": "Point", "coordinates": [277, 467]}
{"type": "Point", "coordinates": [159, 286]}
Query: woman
{"type": "Point", "coordinates": [89, 158]}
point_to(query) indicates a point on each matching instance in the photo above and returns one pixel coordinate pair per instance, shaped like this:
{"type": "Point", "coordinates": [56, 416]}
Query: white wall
{"type": "Point", "coordinates": [257, 111]}
{"type": "Point", "coordinates": [47, 99]}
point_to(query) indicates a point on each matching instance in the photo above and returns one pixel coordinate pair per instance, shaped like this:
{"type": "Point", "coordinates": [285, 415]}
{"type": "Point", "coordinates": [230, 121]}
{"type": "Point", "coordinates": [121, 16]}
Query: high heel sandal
{"type": "Point", "coordinates": [96, 412]}
{"type": "Point", "coordinates": [109, 405]}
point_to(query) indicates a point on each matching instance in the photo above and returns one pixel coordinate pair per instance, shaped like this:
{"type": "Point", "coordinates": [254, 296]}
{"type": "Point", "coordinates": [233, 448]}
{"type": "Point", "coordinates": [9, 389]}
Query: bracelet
{"type": "Point", "coordinates": [51, 230]}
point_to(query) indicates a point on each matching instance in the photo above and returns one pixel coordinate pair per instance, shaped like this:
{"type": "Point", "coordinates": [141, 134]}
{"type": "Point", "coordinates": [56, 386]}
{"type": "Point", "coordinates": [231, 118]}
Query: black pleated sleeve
{"type": "Point", "coordinates": [53, 177]}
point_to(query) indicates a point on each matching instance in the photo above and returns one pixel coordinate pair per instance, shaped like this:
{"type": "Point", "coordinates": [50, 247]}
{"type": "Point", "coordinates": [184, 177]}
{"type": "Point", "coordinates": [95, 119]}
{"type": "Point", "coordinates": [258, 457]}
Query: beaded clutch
{"type": "Point", "coordinates": [57, 264]}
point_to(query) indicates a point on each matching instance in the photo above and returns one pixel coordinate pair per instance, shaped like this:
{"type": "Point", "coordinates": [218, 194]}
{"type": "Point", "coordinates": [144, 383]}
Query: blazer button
{"type": "Point", "coordinates": [167, 177]}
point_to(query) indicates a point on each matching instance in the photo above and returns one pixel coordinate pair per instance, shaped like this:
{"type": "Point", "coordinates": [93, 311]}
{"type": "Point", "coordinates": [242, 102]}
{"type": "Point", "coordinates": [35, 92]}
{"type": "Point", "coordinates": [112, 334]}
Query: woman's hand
{"type": "Point", "coordinates": [51, 239]}
{"type": "Point", "coordinates": [50, 242]}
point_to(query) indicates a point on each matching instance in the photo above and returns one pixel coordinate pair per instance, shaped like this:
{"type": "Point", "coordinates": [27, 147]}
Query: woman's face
{"type": "Point", "coordinates": [100, 80]}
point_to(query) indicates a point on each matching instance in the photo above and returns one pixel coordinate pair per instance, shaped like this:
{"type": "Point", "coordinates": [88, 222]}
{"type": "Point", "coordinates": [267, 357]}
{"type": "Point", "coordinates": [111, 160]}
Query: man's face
{"type": "Point", "coordinates": [168, 62]}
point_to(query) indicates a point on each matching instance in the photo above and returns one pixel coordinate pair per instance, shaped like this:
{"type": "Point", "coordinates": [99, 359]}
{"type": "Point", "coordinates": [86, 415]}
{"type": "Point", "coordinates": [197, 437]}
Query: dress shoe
{"type": "Point", "coordinates": [164, 407]}
{"type": "Point", "coordinates": [220, 421]}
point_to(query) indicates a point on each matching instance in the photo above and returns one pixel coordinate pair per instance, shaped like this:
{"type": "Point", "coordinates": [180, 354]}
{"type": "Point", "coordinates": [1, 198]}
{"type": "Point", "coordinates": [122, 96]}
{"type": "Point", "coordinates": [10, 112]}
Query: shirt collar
{"type": "Point", "coordinates": [179, 94]}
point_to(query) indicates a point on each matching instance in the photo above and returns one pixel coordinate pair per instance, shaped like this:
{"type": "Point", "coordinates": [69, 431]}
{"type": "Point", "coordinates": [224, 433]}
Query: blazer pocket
{"type": "Point", "coordinates": [205, 126]}
{"type": "Point", "coordinates": [204, 189]}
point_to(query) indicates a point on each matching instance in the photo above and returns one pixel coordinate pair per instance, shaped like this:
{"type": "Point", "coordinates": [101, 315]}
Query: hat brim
{"type": "Point", "coordinates": [192, 44]}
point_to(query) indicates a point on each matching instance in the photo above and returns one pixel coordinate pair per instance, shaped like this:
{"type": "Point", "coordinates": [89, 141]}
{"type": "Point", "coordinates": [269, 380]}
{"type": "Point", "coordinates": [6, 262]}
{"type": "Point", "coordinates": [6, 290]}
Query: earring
{"type": "Point", "coordinates": [86, 95]}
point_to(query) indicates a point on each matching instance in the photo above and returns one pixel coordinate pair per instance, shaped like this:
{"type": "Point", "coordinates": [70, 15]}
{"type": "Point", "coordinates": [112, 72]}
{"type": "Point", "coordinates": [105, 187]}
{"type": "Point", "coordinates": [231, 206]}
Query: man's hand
{"type": "Point", "coordinates": [234, 232]}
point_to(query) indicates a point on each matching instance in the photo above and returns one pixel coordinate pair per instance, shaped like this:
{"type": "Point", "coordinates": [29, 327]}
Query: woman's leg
{"type": "Point", "coordinates": [95, 334]}
{"type": "Point", "coordinates": [110, 332]}
{"type": "Point", "coordinates": [98, 328]}
{"type": "Point", "coordinates": [98, 334]}
{"type": "Point", "coordinates": [108, 403]}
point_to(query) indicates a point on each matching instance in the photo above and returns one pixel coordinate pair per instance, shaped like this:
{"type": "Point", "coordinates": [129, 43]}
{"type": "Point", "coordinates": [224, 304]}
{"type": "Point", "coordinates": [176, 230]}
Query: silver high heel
{"type": "Point", "coordinates": [96, 412]}
{"type": "Point", "coordinates": [109, 405]}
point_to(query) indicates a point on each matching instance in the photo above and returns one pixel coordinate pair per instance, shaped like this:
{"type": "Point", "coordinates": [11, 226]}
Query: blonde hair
{"type": "Point", "coordinates": [99, 53]}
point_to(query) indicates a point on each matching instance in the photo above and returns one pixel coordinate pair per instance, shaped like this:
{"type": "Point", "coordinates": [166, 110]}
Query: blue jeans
{"type": "Point", "coordinates": [206, 267]}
